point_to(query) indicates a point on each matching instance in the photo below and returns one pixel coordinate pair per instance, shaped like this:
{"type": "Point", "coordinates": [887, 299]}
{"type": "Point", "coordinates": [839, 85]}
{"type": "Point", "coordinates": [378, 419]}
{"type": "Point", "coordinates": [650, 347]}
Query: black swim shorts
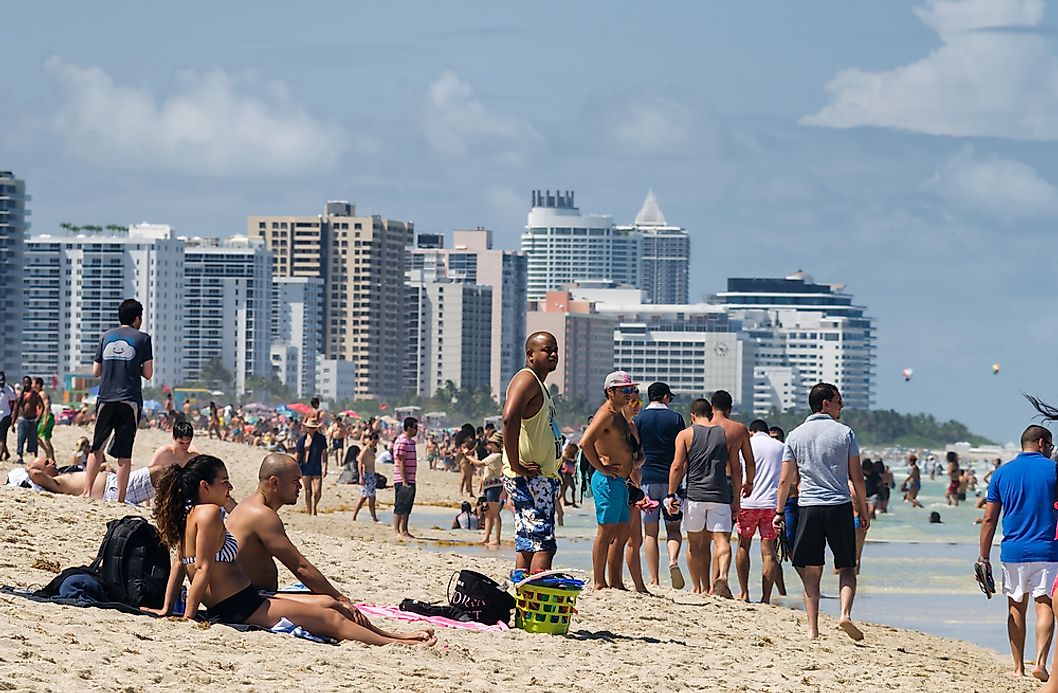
{"type": "Point", "coordinates": [117, 419]}
{"type": "Point", "coordinates": [819, 525]}
{"type": "Point", "coordinates": [403, 498]}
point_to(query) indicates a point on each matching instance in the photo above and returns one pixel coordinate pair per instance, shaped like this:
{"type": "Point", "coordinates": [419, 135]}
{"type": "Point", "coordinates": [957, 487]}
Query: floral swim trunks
{"type": "Point", "coordinates": [534, 512]}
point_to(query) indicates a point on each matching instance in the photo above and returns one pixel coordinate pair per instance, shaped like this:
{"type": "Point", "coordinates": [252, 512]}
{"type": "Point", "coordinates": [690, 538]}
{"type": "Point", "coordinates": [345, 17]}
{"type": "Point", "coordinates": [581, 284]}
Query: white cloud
{"type": "Point", "coordinates": [457, 123]}
{"type": "Point", "coordinates": [989, 77]}
{"type": "Point", "coordinates": [1001, 188]}
{"type": "Point", "coordinates": [209, 123]}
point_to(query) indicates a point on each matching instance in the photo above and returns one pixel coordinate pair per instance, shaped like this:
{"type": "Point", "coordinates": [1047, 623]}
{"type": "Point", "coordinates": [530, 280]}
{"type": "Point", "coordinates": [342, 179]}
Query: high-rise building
{"type": "Point", "coordinates": [803, 333]}
{"type": "Point", "coordinates": [335, 380]}
{"type": "Point", "coordinates": [75, 283]}
{"type": "Point", "coordinates": [585, 343]}
{"type": "Point", "coordinates": [450, 330]}
{"type": "Point", "coordinates": [13, 228]}
{"type": "Point", "coordinates": [297, 331]}
{"type": "Point", "coordinates": [227, 307]}
{"type": "Point", "coordinates": [563, 246]}
{"type": "Point", "coordinates": [473, 260]}
{"type": "Point", "coordinates": [363, 261]}
{"type": "Point", "coordinates": [664, 265]}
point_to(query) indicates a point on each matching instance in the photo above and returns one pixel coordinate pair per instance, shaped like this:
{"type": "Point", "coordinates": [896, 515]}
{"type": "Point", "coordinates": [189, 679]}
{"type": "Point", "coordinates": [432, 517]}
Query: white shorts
{"type": "Point", "coordinates": [1034, 579]}
{"type": "Point", "coordinates": [702, 515]}
{"type": "Point", "coordinates": [140, 488]}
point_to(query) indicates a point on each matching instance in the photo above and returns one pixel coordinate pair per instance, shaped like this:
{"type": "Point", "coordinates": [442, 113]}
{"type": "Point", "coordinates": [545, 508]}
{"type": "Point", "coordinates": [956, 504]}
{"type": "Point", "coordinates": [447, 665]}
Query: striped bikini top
{"type": "Point", "coordinates": [227, 552]}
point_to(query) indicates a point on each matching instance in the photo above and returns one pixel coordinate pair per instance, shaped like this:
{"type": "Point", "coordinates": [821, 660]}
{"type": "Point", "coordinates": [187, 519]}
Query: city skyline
{"type": "Point", "coordinates": [923, 201]}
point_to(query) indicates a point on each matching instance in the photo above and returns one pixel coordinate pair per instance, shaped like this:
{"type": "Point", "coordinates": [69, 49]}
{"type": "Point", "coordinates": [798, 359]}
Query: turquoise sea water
{"type": "Point", "coordinates": [913, 575]}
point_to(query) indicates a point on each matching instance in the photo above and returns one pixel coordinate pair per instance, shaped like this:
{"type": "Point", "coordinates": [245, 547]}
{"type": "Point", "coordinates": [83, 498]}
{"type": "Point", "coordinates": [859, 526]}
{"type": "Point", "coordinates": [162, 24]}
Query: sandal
{"type": "Point", "coordinates": [983, 573]}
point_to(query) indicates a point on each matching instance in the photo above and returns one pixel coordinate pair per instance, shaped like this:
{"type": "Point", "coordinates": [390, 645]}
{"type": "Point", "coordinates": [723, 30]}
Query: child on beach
{"type": "Point", "coordinates": [366, 465]}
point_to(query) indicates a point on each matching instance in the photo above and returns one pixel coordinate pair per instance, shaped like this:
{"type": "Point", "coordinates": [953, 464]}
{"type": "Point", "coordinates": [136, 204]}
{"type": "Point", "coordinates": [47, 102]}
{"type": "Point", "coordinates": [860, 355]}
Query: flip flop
{"type": "Point", "coordinates": [722, 589]}
{"type": "Point", "coordinates": [648, 504]}
{"type": "Point", "coordinates": [676, 577]}
{"type": "Point", "coordinates": [983, 574]}
{"type": "Point", "coordinates": [850, 628]}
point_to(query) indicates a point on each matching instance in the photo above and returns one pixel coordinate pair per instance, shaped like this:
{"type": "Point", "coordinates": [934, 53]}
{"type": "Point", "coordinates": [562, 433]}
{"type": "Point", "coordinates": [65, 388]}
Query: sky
{"type": "Point", "coordinates": [908, 150]}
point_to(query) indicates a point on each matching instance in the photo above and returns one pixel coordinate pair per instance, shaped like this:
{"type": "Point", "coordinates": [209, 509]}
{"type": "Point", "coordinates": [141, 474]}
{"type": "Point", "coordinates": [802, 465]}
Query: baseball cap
{"type": "Point", "coordinates": [618, 379]}
{"type": "Point", "coordinates": [496, 438]}
{"type": "Point", "coordinates": [658, 390]}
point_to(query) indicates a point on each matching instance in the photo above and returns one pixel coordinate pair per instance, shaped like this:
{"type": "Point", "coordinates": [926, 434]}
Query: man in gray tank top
{"type": "Point", "coordinates": [714, 484]}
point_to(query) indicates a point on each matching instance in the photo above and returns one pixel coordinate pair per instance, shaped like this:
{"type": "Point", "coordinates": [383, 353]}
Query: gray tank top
{"type": "Point", "coordinates": [707, 480]}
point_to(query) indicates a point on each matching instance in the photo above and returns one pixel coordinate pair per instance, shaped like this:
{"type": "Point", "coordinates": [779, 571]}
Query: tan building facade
{"type": "Point", "coordinates": [363, 261]}
{"type": "Point", "coordinates": [585, 342]}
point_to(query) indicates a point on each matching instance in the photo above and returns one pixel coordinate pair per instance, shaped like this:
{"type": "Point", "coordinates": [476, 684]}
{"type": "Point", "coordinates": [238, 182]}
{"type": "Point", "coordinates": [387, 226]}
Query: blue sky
{"type": "Point", "coordinates": [906, 149]}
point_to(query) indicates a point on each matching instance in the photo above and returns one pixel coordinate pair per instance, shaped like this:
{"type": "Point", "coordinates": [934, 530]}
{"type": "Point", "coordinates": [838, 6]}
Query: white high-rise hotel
{"type": "Point", "coordinates": [74, 285]}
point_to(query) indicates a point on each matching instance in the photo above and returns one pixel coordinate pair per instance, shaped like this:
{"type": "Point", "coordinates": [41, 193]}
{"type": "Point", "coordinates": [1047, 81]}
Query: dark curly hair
{"type": "Point", "coordinates": [178, 492]}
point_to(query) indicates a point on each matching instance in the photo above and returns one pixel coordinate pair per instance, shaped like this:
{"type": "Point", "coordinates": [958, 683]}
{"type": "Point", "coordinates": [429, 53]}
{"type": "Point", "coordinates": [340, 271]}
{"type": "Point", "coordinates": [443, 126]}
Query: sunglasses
{"type": "Point", "coordinates": [628, 390]}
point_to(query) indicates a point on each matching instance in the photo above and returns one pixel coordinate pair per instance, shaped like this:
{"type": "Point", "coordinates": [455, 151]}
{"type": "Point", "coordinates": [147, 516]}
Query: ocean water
{"type": "Point", "coordinates": [913, 575]}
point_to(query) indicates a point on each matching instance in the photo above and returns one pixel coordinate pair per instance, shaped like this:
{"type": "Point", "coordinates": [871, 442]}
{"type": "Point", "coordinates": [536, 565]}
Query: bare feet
{"type": "Point", "coordinates": [601, 586]}
{"type": "Point", "coordinates": [721, 589]}
{"type": "Point", "coordinates": [1040, 672]}
{"type": "Point", "coordinates": [743, 596]}
{"type": "Point", "coordinates": [642, 589]}
{"type": "Point", "coordinates": [850, 628]}
{"type": "Point", "coordinates": [813, 633]}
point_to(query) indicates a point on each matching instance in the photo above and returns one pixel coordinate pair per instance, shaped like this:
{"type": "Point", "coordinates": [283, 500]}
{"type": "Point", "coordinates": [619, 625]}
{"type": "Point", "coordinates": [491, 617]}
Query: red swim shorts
{"type": "Point", "coordinates": [750, 519]}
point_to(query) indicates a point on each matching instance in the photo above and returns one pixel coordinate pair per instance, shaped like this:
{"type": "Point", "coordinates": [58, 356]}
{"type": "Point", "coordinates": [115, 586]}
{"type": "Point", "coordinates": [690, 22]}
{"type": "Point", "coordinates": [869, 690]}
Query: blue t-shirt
{"type": "Point", "coordinates": [1025, 488]}
{"type": "Point", "coordinates": [123, 351]}
{"type": "Point", "coordinates": [658, 428]}
{"type": "Point", "coordinates": [822, 448]}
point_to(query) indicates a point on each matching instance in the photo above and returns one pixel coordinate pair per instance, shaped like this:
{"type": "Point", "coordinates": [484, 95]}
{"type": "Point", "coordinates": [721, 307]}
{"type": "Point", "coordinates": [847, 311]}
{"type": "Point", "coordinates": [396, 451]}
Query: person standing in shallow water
{"type": "Point", "coordinates": [531, 455]}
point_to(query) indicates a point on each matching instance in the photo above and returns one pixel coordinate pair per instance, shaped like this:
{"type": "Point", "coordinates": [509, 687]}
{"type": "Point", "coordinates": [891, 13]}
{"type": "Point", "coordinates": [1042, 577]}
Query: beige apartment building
{"type": "Point", "coordinates": [363, 262]}
{"type": "Point", "coordinates": [585, 342]}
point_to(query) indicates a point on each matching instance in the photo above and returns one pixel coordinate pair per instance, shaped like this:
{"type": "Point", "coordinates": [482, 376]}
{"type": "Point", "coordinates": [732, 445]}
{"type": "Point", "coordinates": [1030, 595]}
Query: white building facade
{"type": "Point", "coordinates": [297, 331]}
{"type": "Point", "coordinates": [665, 260]}
{"type": "Point", "coordinates": [228, 292]}
{"type": "Point", "coordinates": [74, 285]}
{"type": "Point", "coordinates": [803, 333]}
{"type": "Point", "coordinates": [335, 380]}
{"type": "Point", "coordinates": [563, 246]}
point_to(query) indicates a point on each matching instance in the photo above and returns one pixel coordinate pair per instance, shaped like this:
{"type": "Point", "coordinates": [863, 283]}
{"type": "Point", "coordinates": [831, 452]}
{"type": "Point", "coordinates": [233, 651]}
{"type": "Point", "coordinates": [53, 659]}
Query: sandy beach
{"type": "Point", "coordinates": [671, 640]}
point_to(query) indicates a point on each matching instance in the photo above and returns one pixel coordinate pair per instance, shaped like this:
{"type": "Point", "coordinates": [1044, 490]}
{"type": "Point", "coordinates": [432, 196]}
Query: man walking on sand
{"type": "Point", "coordinates": [825, 455]}
{"type": "Point", "coordinates": [532, 456]}
{"type": "Point", "coordinates": [405, 465]}
{"type": "Point", "coordinates": [758, 511]}
{"type": "Point", "coordinates": [714, 483]}
{"type": "Point", "coordinates": [609, 447]}
{"type": "Point", "coordinates": [311, 451]}
{"type": "Point", "coordinates": [658, 427]}
{"type": "Point", "coordinates": [1023, 491]}
{"type": "Point", "coordinates": [124, 358]}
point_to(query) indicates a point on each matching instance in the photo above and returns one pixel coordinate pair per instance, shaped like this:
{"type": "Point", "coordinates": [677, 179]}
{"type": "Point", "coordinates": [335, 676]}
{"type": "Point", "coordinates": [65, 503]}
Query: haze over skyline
{"type": "Point", "coordinates": [905, 149]}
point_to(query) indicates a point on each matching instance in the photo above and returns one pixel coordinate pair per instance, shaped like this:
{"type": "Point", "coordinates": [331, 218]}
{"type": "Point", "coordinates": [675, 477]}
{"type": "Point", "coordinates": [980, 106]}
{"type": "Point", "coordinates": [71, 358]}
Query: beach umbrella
{"type": "Point", "coordinates": [300, 408]}
{"type": "Point", "coordinates": [907, 373]}
{"type": "Point", "coordinates": [995, 369]}
{"type": "Point", "coordinates": [350, 412]}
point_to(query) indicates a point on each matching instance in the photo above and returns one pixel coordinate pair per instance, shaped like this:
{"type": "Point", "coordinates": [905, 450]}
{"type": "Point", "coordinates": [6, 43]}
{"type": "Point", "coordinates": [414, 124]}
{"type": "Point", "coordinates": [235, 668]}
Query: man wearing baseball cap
{"type": "Point", "coordinates": [610, 446]}
{"type": "Point", "coordinates": [658, 427]}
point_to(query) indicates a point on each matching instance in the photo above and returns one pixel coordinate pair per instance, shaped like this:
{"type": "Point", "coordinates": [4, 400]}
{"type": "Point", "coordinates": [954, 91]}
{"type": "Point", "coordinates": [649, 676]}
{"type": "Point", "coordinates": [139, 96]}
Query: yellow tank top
{"type": "Point", "coordinates": [539, 439]}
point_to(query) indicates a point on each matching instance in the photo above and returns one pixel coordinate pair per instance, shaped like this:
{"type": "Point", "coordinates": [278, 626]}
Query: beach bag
{"type": "Point", "coordinates": [481, 597]}
{"type": "Point", "coordinates": [134, 562]}
{"type": "Point", "coordinates": [380, 481]}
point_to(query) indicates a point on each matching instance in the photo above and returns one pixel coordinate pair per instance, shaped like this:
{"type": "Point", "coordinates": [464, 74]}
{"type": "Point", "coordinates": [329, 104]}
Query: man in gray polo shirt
{"type": "Point", "coordinates": [825, 454]}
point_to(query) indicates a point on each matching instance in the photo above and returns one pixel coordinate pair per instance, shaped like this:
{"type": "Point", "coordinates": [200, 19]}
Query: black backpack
{"type": "Point", "coordinates": [133, 562]}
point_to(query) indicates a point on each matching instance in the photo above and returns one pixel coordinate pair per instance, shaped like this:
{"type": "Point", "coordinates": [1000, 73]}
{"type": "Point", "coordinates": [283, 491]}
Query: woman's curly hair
{"type": "Point", "coordinates": [178, 492]}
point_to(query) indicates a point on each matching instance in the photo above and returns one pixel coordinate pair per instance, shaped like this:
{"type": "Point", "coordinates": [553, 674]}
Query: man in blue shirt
{"type": "Point", "coordinates": [658, 427]}
{"type": "Point", "coordinates": [124, 356]}
{"type": "Point", "coordinates": [1023, 490]}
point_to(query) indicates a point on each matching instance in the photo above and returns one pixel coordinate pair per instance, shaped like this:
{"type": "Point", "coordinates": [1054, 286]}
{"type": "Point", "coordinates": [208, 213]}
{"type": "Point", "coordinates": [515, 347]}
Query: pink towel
{"type": "Point", "coordinates": [394, 612]}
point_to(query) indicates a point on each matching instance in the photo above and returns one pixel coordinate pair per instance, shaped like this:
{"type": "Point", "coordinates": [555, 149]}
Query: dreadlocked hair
{"type": "Point", "coordinates": [1045, 411]}
{"type": "Point", "coordinates": [178, 493]}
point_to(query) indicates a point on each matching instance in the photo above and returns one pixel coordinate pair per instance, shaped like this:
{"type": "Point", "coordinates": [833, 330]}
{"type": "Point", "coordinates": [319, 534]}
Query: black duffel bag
{"type": "Point", "coordinates": [481, 597]}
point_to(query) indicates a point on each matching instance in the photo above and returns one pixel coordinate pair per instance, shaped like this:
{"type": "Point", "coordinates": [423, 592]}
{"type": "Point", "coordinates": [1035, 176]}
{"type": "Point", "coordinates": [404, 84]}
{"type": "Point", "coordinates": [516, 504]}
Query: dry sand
{"type": "Point", "coordinates": [619, 641]}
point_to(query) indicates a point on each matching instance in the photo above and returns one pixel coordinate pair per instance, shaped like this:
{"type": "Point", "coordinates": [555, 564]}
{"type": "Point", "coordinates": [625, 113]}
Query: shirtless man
{"type": "Point", "coordinates": [336, 434]}
{"type": "Point", "coordinates": [255, 524]}
{"type": "Point", "coordinates": [45, 474]}
{"type": "Point", "coordinates": [913, 484]}
{"type": "Point", "coordinates": [179, 451]}
{"type": "Point", "coordinates": [609, 447]}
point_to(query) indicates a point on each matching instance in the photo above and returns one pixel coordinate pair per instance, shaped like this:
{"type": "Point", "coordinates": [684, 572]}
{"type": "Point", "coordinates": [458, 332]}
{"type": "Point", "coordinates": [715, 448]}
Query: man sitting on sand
{"type": "Point", "coordinates": [45, 474]}
{"type": "Point", "coordinates": [180, 450]}
{"type": "Point", "coordinates": [255, 524]}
